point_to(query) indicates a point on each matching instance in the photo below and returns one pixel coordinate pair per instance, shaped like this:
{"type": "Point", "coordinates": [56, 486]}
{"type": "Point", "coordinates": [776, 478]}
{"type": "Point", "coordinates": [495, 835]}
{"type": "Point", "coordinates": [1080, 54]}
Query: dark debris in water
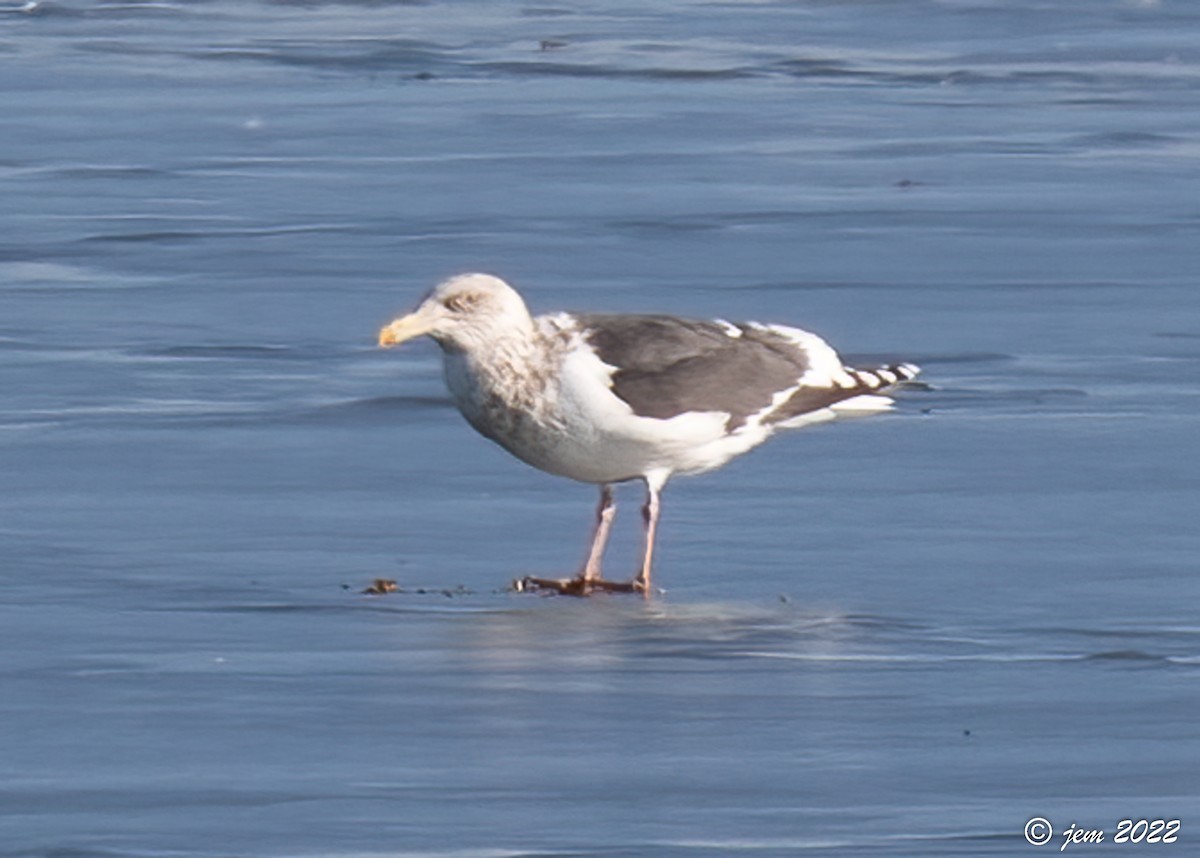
{"type": "Point", "coordinates": [385, 586]}
{"type": "Point", "coordinates": [380, 586]}
{"type": "Point", "coordinates": [388, 586]}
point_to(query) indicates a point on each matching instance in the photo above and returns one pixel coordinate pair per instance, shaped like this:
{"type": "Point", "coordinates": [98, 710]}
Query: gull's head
{"type": "Point", "coordinates": [464, 312]}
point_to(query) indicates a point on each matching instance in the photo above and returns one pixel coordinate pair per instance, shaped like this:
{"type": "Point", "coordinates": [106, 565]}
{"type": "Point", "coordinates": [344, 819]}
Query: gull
{"type": "Point", "coordinates": [609, 398]}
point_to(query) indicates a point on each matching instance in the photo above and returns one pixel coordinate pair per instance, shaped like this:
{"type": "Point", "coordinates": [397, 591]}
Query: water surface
{"type": "Point", "coordinates": [900, 636]}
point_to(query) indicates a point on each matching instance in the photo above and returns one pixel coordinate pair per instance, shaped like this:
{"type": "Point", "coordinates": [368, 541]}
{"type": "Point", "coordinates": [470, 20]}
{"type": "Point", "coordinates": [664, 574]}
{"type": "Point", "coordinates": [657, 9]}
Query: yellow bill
{"type": "Point", "coordinates": [404, 328]}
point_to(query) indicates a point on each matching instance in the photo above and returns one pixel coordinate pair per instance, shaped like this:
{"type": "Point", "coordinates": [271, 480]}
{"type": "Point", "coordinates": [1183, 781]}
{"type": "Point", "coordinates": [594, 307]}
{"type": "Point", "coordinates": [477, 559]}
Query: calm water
{"type": "Point", "coordinates": [903, 636]}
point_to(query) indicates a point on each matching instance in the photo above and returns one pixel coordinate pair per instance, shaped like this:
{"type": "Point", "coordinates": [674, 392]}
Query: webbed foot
{"type": "Point", "coordinates": [577, 586]}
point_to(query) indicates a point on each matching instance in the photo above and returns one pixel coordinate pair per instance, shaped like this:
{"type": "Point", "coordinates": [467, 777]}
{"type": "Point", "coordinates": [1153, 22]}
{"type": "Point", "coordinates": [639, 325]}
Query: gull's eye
{"type": "Point", "coordinates": [461, 303]}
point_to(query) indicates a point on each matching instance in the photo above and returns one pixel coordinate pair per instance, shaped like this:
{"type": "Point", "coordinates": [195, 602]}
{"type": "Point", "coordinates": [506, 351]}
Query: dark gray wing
{"type": "Point", "coordinates": [667, 366]}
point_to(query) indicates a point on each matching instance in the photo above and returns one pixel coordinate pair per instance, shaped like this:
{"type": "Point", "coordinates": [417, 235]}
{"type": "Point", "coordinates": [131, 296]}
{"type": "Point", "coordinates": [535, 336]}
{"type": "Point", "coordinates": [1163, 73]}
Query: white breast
{"type": "Point", "coordinates": [558, 413]}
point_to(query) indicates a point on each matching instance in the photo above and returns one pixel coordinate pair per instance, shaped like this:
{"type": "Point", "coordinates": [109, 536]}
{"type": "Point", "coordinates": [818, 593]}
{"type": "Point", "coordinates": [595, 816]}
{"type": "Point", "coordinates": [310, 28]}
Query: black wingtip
{"type": "Point", "coordinates": [884, 376]}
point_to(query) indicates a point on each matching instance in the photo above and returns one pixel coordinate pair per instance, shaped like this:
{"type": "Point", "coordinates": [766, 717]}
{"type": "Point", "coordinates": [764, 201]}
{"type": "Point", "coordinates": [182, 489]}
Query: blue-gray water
{"type": "Point", "coordinates": [902, 636]}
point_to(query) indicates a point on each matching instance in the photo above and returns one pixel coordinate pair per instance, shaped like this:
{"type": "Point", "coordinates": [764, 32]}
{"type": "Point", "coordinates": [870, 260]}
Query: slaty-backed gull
{"type": "Point", "coordinates": [608, 398]}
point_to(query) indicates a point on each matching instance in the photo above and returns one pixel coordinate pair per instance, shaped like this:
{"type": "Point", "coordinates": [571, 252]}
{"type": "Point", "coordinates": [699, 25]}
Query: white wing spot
{"type": "Point", "coordinates": [865, 403]}
{"type": "Point", "coordinates": [824, 366]}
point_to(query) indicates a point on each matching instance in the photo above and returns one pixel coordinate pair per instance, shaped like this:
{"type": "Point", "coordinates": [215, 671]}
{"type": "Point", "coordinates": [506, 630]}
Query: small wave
{"type": "Point", "coordinates": [41, 8]}
{"type": "Point", "coordinates": [40, 277]}
{"type": "Point", "coordinates": [453, 852]}
{"type": "Point", "coordinates": [139, 410]}
{"type": "Point", "coordinates": [181, 235]}
{"type": "Point", "coordinates": [413, 57]}
{"type": "Point", "coordinates": [25, 274]}
{"type": "Point", "coordinates": [1130, 655]}
{"type": "Point", "coordinates": [1123, 140]}
{"type": "Point", "coordinates": [225, 352]}
{"type": "Point", "coordinates": [963, 358]}
{"type": "Point", "coordinates": [950, 397]}
{"type": "Point", "coordinates": [579, 70]}
{"type": "Point", "coordinates": [861, 844]}
{"type": "Point", "coordinates": [912, 658]}
{"type": "Point", "coordinates": [109, 171]}
{"type": "Point", "coordinates": [30, 425]}
{"type": "Point", "coordinates": [372, 408]}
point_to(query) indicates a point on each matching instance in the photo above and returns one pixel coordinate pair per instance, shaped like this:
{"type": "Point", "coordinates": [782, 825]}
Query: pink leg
{"type": "Point", "coordinates": [589, 579]}
{"type": "Point", "coordinates": [650, 518]}
{"type": "Point", "coordinates": [605, 513]}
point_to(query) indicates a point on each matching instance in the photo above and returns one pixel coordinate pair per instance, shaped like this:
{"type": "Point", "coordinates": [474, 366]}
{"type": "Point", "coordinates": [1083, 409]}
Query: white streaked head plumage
{"type": "Point", "coordinates": [466, 313]}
